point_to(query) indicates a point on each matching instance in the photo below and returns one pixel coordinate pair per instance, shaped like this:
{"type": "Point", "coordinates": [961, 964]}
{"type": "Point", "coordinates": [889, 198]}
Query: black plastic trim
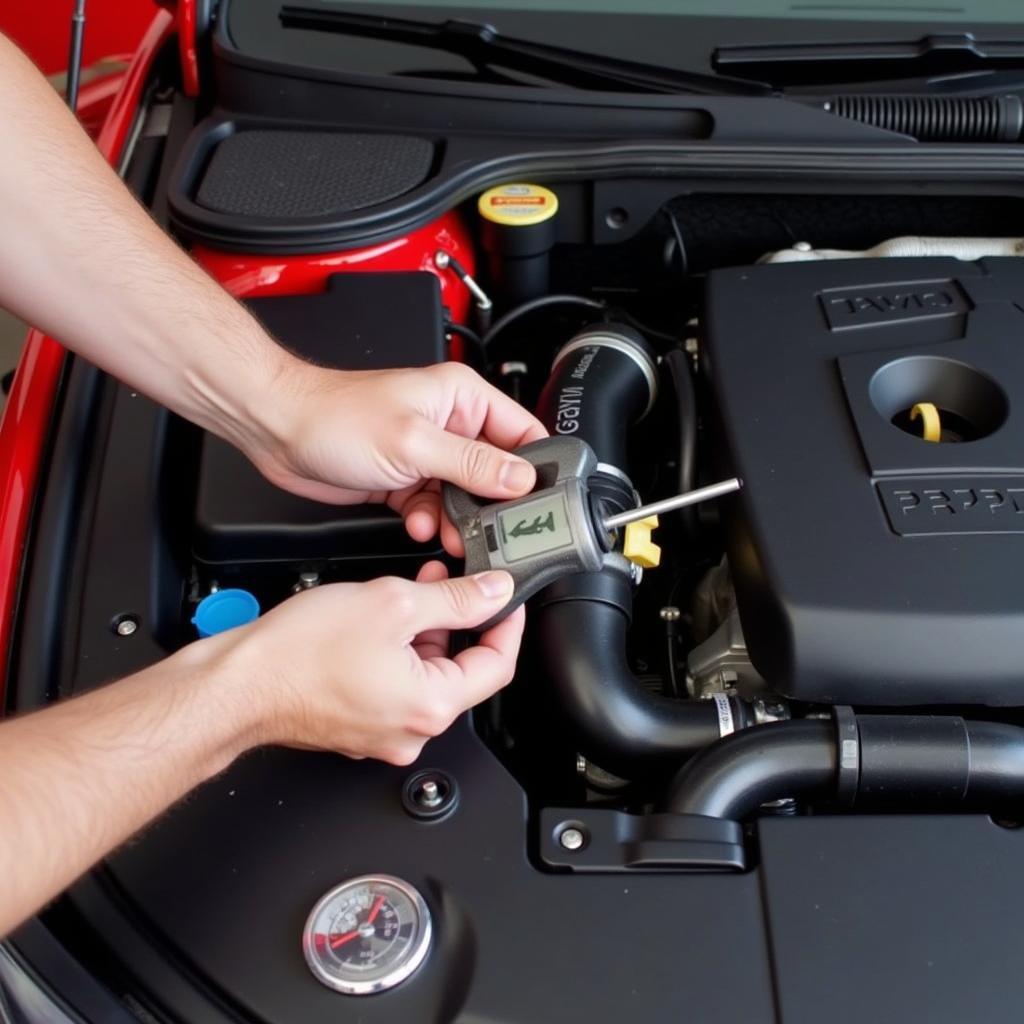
{"type": "Point", "coordinates": [616, 841]}
{"type": "Point", "coordinates": [695, 165]}
{"type": "Point", "coordinates": [37, 953]}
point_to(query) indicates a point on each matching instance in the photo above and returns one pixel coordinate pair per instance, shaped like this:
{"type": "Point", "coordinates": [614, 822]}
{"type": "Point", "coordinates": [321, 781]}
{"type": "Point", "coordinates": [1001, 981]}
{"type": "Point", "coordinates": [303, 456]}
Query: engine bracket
{"type": "Point", "coordinates": [617, 841]}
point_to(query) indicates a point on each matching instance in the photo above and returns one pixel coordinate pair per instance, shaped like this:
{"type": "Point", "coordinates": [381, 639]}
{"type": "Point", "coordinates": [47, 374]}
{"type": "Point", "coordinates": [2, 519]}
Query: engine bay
{"type": "Point", "coordinates": [856, 571]}
{"type": "Point", "coordinates": [772, 767]}
{"type": "Point", "coordinates": [821, 662]}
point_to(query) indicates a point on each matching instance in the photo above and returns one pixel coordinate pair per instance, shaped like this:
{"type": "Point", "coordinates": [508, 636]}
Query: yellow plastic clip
{"type": "Point", "coordinates": [637, 545]}
{"type": "Point", "coordinates": [931, 423]}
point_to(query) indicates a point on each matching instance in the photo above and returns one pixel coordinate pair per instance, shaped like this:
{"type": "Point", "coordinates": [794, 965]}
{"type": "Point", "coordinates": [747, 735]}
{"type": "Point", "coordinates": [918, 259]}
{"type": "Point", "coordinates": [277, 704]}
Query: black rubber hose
{"type": "Point", "coordinates": [681, 375]}
{"type": "Point", "coordinates": [617, 724]}
{"type": "Point", "coordinates": [603, 381]}
{"type": "Point", "coordinates": [939, 762]}
{"type": "Point", "coordinates": [678, 363]}
{"type": "Point", "coordinates": [900, 762]}
{"type": "Point", "coordinates": [996, 764]}
{"type": "Point", "coordinates": [733, 777]}
{"type": "Point", "coordinates": [478, 357]}
{"type": "Point", "coordinates": [539, 303]}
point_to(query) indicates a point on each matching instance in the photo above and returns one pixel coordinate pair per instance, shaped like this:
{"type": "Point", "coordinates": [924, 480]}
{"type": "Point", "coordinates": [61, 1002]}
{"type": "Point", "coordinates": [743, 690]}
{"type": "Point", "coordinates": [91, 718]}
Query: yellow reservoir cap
{"type": "Point", "coordinates": [518, 205]}
{"type": "Point", "coordinates": [637, 545]}
{"type": "Point", "coordinates": [931, 423]}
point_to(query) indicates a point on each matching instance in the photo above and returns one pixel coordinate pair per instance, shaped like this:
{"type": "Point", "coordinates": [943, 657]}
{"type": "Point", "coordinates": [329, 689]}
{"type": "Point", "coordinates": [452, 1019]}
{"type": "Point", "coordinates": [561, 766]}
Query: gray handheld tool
{"type": "Point", "coordinates": [555, 531]}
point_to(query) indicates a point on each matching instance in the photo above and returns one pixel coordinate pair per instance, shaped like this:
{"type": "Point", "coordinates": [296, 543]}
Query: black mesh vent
{"type": "Point", "coordinates": [287, 175]}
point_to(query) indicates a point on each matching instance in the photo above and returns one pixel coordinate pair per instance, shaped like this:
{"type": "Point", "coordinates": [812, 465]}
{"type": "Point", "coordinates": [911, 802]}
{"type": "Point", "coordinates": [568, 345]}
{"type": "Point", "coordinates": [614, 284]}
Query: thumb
{"type": "Point", "coordinates": [461, 603]}
{"type": "Point", "coordinates": [475, 465]}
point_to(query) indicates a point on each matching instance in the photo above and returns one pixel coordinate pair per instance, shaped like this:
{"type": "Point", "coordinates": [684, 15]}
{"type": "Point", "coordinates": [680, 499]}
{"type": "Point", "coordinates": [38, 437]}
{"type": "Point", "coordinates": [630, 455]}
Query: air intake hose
{"type": "Point", "coordinates": [604, 380]}
{"type": "Point", "coordinates": [887, 762]}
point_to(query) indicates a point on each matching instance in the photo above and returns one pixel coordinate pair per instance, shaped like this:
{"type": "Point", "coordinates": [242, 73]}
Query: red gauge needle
{"type": "Point", "coordinates": [339, 940]}
{"type": "Point", "coordinates": [375, 910]}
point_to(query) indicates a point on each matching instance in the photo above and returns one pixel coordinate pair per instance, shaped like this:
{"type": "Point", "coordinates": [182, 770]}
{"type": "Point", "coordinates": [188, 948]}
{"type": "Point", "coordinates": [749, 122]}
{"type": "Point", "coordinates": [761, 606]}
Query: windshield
{"type": "Point", "coordinates": [938, 11]}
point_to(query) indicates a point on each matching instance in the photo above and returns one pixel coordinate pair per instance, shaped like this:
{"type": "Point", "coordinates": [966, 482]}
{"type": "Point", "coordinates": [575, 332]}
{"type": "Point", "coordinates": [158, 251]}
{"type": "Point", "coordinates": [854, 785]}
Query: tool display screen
{"type": "Point", "coordinates": [534, 528]}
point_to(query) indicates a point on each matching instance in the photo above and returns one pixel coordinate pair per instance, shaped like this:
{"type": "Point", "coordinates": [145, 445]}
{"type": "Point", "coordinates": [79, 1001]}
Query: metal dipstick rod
{"type": "Point", "coordinates": [670, 504]}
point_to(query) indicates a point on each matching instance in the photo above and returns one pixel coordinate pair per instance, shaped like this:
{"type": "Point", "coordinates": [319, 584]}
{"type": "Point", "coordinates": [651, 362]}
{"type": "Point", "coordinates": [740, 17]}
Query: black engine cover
{"type": "Point", "coordinates": [873, 566]}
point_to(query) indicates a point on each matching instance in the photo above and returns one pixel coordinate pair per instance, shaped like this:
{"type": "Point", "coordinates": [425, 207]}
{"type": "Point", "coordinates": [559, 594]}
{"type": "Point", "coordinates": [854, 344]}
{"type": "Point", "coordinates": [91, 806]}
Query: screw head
{"type": "Point", "coordinates": [803, 246]}
{"type": "Point", "coordinates": [571, 839]}
{"type": "Point", "coordinates": [442, 260]}
{"type": "Point", "coordinates": [126, 626]}
{"type": "Point", "coordinates": [670, 614]}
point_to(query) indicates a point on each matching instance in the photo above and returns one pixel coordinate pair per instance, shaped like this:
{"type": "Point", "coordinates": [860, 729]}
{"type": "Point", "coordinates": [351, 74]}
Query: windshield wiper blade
{"type": "Point", "coordinates": [483, 45]}
{"type": "Point", "coordinates": [785, 64]}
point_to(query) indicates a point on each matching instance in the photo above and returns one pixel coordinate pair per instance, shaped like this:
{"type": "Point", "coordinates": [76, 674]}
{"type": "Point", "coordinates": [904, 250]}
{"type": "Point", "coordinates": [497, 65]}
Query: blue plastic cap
{"type": "Point", "coordinates": [224, 610]}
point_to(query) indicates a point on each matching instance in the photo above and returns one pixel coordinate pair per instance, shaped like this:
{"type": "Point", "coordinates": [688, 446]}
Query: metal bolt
{"type": "Point", "coordinates": [430, 794]}
{"type": "Point", "coordinates": [511, 367]}
{"type": "Point", "coordinates": [769, 711]}
{"type": "Point", "coordinates": [803, 246]}
{"type": "Point", "coordinates": [127, 626]}
{"type": "Point", "coordinates": [581, 765]}
{"type": "Point", "coordinates": [307, 581]}
{"type": "Point", "coordinates": [670, 614]}
{"type": "Point", "coordinates": [571, 839]}
{"type": "Point", "coordinates": [442, 260]}
{"type": "Point", "coordinates": [691, 345]}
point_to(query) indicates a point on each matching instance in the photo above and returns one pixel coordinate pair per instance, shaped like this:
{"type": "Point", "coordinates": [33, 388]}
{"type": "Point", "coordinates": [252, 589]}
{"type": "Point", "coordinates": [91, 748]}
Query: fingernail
{"type": "Point", "coordinates": [516, 475]}
{"type": "Point", "coordinates": [494, 584]}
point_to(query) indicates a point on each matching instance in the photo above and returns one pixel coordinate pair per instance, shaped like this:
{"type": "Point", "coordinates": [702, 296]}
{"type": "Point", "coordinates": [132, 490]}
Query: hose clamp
{"type": "Point", "coordinates": [847, 755]}
{"type": "Point", "coordinates": [726, 719]}
{"type": "Point", "coordinates": [609, 470]}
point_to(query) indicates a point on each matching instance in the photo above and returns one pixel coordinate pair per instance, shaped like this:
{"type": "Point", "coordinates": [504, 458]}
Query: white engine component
{"type": "Point", "coordinates": [908, 245]}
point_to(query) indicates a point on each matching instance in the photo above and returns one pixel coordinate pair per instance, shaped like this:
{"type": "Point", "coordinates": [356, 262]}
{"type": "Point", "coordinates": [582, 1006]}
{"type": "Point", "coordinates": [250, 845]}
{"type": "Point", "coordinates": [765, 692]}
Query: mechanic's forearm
{"type": "Point", "coordinates": [83, 261]}
{"type": "Point", "coordinates": [79, 778]}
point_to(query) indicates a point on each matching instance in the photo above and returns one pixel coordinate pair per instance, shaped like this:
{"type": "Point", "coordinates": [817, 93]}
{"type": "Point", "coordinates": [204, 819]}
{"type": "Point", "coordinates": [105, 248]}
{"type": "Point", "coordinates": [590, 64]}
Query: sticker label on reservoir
{"type": "Point", "coordinates": [945, 505]}
{"type": "Point", "coordinates": [518, 205]}
{"type": "Point", "coordinates": [517, 200]}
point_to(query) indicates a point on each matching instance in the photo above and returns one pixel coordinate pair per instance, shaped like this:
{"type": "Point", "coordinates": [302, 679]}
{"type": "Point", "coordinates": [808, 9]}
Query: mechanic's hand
{"type": "Point", "coordinates": [389, 436]}
{"type": "Point", "coordinates": [362, 668]}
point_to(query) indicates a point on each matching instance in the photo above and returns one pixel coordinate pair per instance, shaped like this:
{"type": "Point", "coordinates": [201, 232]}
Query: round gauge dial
{"type": "Point", "coordinates": [367, 934]}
